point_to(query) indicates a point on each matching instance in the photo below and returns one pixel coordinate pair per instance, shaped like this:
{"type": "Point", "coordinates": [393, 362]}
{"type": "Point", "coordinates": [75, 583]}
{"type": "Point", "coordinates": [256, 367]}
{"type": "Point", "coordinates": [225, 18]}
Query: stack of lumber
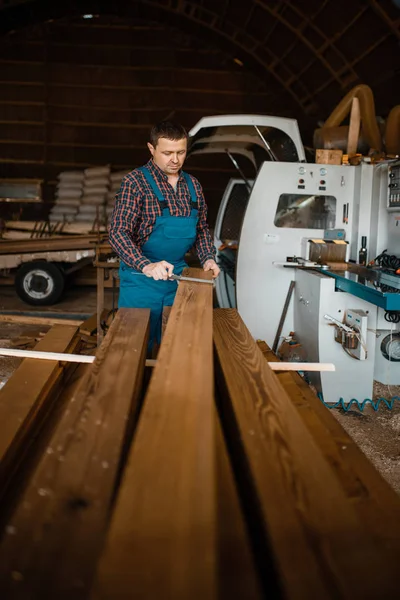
{"type": "Point", "coordinates": [236, 486]}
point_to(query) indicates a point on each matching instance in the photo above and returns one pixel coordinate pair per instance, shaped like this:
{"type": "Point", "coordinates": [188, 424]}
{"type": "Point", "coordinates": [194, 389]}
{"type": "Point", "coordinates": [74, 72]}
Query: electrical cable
{"type": "Point", "coordinates": [346, 406]}
{"type": "Point", "coordinates": [387, 261]}
{"type": "Point", "coordinates": [392, 316]}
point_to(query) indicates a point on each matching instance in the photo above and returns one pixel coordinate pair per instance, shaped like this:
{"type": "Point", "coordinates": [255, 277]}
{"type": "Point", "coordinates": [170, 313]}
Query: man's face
{"type": "Point", "coordinates": [169, 155]}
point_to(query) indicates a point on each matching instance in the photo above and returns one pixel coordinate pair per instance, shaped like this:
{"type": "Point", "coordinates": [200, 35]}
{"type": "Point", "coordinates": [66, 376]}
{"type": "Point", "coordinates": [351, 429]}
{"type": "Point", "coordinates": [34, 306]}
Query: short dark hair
{"type": "Point", "coordinates": [169, 130]}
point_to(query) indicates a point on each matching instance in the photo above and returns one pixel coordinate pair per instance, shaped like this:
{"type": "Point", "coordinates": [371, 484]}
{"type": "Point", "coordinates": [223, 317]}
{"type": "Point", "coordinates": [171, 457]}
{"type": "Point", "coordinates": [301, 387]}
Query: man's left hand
{"type": "Point", "coordinates": [211, 265]}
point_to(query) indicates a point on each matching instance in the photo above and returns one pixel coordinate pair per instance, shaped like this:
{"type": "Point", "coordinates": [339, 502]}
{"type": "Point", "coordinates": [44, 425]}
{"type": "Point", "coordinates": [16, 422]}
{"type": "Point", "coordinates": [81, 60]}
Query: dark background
{"type": "Point", "coordinates": [78, 92]}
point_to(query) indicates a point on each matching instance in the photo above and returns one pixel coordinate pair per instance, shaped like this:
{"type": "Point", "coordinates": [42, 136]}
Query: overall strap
{"type": "Point", "coordinates": [156, 190]}
{"type": "Point", "coordinates": [193, 195]}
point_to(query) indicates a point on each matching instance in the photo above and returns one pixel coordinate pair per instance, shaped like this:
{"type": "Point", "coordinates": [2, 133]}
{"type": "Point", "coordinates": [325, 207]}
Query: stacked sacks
{"type": "Point", "coordinates": [115, 184]}
{"type": "Point", "coordinates": [95, 189]}
{"type": "Point", "coordinates": [68, 194]}
{"type": "Point", "coordinates": [86, 196]}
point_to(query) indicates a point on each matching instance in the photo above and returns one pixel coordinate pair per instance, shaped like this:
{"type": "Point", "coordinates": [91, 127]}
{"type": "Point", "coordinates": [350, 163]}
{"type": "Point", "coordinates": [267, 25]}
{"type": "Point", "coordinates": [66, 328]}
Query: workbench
{"type": "Point", "coordinates": [379, 287]}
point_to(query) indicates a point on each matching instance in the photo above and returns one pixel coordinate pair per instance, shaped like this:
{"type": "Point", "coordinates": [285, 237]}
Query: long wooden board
{"type": "Point", "coordinates": [67, 228]}
{"type": "Point", "coordinates": [375, 500]}
{"type": "Point", "coordinates": [56, 531]}
{"type": "Point", "coordinates": [48, 244]}
{"type": "Point", "coordinates": [318, 542]}
{"type": "Point", "coordinates": [32, 320]}
{"type": "Point", "coordinates": [161, 543]}
{"type": "Point", "coordinates": [26, 398]}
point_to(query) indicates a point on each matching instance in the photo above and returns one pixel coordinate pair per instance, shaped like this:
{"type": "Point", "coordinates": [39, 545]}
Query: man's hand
{"type": "Point", "coordinates": [211, 265]}
{"type": "Point", "coordinates": [159, 270]}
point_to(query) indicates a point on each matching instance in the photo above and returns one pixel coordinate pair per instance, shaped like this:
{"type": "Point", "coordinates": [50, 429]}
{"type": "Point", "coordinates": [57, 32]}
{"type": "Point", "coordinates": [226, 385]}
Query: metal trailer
{"type": "Point", "coordinates": [42, 266]}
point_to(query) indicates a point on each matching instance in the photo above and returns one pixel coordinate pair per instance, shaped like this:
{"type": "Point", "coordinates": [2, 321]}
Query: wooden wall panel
{"type": "Point", "coordinates": [15, 71]}
{"type": "Point", "coordinates": [21, 112]}
{"type": "Point", "coordinates": [81, 93]}
{"type": "Point", "coordinates": [26, 93]}
{"type": "Point", "coordinates": [33, 51]}
{"type": "Point", "coordinates": [20, 131]}
{"type": "Point", "coordinates": [20, 152]}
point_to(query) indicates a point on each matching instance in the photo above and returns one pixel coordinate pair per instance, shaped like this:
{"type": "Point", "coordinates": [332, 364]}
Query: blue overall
{"type": "Point", "coordinates": [170, 239]}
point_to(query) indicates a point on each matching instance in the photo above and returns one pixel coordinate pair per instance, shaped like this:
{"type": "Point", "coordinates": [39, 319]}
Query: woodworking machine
{"type": "Point", "coordinates": [307, 223]}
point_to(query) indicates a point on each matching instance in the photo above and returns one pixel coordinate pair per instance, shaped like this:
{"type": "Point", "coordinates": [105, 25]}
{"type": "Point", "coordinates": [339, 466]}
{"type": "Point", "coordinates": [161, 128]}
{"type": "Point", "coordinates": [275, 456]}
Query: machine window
{"type": "Point", "coordinates": [305, 211]}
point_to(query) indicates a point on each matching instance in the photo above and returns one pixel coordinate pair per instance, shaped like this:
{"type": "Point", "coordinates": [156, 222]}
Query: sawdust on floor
{"type": "Point", "coordinates": [377, 433]}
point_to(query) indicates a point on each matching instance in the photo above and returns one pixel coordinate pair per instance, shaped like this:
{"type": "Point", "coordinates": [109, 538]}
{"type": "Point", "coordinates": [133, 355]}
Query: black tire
{"type": "Point", "coordinates": [39, 283]}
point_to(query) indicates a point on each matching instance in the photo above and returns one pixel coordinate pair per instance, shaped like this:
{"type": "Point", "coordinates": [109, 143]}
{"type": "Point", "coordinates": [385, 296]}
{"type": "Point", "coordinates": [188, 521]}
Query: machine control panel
{"type": "Point", "coordinates": [320, 175]}
{"type": "Point", "coordinates": [394, 187]}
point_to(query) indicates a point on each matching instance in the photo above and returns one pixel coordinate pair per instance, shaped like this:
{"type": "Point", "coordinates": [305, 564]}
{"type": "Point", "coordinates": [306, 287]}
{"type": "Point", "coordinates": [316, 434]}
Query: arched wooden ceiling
{"type": "Point", "coordinates": [310, 52]}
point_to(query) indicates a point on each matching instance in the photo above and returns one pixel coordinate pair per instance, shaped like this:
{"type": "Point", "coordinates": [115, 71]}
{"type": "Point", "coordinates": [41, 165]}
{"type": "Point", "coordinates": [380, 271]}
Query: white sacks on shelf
{"type": "Point", "coordinates": [70, 184]}
{"type": "Point", "coordinates": [86, 196]}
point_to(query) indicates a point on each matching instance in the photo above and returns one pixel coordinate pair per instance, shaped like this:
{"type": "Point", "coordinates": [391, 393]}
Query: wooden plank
{"type": "Point", "coordinates": [68, 228]}
{"type": "Point", "coordinates": [25, 397]}
{"type": "Point", "coordinates": [49, 356]}
{"type": "Point", "coordinates": [301, 366]}
{"type": "Point", "coordinates": [61, 518]}
{"type": "Point", "coordinates": [375, 500]}
{"type": "Point", "coordinates": [32, 320]}
{"type": "Point", "coordinates": [161, 542]}
{"type": "Point", "coordinates": [319, 544]}
{"type": "Point", "coordinates": [48, 244]}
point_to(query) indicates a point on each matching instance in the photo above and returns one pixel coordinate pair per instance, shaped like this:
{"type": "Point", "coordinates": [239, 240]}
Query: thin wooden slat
{"type": "Point", "coordinates": [25, 398]}
{"type": "Point", "coordinates": [54, 536]}
{"type": "Point", "coordinates": [377, 503]}
{"type": "Point", "coordinates": [161, 542]}
{"type": "Point", "coordinates": [67, 228]}
{"type": "Point", "coordinates": [318, 542]}
{"type": "Point", "coordinates": [32, 320]}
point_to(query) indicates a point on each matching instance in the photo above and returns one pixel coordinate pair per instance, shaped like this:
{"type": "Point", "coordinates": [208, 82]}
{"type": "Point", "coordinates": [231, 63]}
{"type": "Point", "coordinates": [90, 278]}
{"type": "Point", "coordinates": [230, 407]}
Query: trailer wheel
{"type": "Point", "coordinates": [39, 283]}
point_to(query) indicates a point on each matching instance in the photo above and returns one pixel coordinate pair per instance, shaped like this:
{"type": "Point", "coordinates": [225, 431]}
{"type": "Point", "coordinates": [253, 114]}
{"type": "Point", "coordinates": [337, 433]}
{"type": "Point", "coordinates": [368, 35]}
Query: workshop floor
{"type": "Point", "coordinates": [377, 433]}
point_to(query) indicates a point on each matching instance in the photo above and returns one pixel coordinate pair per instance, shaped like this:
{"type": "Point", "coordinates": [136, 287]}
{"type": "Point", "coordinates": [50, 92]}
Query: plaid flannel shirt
{"type": "Point", "coordinates": [136, 209]}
